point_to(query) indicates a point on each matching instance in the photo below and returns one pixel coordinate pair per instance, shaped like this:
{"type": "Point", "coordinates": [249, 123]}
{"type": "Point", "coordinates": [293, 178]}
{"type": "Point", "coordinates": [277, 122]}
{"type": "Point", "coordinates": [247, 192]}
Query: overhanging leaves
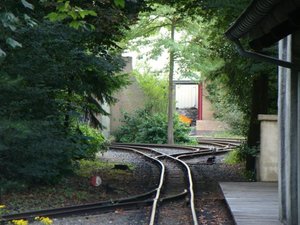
{"type": "Point", "coordinates": [120, 3]}
{"type": "Point", "coordinates": [13, 43]}
{"type": "Point", "coordinates": [27, 4]}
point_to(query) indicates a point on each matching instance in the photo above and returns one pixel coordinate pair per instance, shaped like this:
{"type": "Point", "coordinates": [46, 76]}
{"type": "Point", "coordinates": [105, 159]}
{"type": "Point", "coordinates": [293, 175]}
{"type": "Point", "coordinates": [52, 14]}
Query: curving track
{"type": "Point", "coordinates": [173, 195]}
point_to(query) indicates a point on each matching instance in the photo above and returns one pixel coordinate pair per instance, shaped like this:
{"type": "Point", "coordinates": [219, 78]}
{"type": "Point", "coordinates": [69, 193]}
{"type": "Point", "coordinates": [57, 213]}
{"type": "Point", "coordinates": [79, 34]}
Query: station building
{"type": "Point", "coordinates": [265, 23]}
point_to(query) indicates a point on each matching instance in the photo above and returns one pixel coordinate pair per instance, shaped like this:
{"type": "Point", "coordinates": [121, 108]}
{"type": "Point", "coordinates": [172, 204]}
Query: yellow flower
{"type": "Point", "coordinates": [44, 220]}
{"type": "Point", "coordinates": [2, 206]}
{"type": "Point", "coordinates": [20, 222]}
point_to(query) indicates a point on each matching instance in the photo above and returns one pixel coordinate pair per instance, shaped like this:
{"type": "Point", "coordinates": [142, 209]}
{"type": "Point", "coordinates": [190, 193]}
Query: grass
{"type": "Point", "coordinates": [223, 134]}
{"type": "Point", "coordinates": [88, 167]}
{"type": "Point", "coordinates": [73, 190]}
{"type": "Point", "coordinates": [232, 157]}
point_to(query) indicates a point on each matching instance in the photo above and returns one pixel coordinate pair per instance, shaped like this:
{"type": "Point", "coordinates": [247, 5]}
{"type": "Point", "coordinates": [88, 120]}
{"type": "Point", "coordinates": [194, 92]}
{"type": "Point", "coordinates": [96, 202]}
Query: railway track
{"type": "Point", "coordinates": [175, 183]}
{"type": "Point", "coordinates": [173, 190]}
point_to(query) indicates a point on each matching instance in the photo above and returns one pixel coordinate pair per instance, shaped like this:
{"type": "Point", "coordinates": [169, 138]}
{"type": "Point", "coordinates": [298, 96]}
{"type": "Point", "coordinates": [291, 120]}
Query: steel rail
{"type": "Point", "coordinates": [70, 210]}
{"type": "Point", "coordinates": [77, 210]}
{"type": "Point", "coordinates": [190, 148]}
{"type": "Point", "coordinates": [161, 180]}
{"type": "Point", "coordinates": [134, 200]}
{"type": "Point", "coordinates": [190, 179]}
{"type": "Point", "coordinates": [190, 184]}
{"type": "Point", "coordinates": [83, 207]}
{"type": "Point", "coordinates": [191, 190]}
{"type": "Point", "coordinates": [198, 154]}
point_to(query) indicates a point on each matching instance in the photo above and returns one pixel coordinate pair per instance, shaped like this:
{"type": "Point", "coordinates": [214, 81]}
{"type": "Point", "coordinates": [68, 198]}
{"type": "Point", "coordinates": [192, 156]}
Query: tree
{"type": "Point", "coordinates": [79, 15]}
{"type": "Point", "coordinates": [155, 90]}
{"type": "Point", "coordinates": [11, 19]}
{"type": "Point", "coordinates": [164, 30]}
{"type": "Point", "coordinates": [56, 76]}
{"type": "Point", "coordinates": [45, 88]}
{"type": "Point", "coordinates": [249, 83]}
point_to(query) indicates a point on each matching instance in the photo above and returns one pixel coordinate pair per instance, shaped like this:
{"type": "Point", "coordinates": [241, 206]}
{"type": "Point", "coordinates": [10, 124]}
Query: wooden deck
{"type": "Point", "coordinates": [252, 203]}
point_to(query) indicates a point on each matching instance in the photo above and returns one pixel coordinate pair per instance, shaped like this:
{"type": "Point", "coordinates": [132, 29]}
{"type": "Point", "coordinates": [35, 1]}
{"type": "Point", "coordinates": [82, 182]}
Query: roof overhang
{"type": "Point", "coordinates": [265, 22]}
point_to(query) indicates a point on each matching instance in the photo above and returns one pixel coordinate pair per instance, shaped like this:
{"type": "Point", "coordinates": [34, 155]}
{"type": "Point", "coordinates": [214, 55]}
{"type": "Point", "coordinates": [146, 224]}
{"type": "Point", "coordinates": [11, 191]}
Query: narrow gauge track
{"type": "Point", "coordinates": [145, 199]}
{"type": "Point", "coordinates": [175, 183]}
{"type": "Point", "coordinates": [167, 158]}
{"type": "Point", "coordinates": [220, 141]}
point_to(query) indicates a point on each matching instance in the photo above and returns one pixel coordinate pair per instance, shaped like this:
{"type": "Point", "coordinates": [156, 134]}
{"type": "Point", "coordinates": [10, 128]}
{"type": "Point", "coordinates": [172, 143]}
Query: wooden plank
{"type": "Point", "coordinates": [252, 202]}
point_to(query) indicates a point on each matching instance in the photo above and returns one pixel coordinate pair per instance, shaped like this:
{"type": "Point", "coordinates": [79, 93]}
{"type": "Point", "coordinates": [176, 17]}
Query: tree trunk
{"type": "Point", "coordinates": [171, 90]}
{"type": "Point", "coordinates": [259, 106]}
{"type": "Point", "coordinates": [67, 116]}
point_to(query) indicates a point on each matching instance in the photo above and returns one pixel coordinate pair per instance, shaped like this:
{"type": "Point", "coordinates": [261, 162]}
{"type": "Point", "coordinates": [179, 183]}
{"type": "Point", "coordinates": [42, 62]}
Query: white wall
{"type": "Point", "coordinates": [186, 96]}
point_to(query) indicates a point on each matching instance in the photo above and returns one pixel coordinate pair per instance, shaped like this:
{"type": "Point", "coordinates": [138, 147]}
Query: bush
{"type": "Point", "coordinates": [144, 127]}
{"type": "Point", "coordinates": [34, 152]}
{"type": "Point", "coordinates": [232, 157]}
{"type": "Point", "coordinates": [45, 88]}
{"type": "Point", "coordinates": [42, 152]}
{"type": "Point", "coordinates": [245, 151]}
{"type": "Point", "coordinates": [241, 154]}
{"type": "Point", "coordinates": [94, 141]}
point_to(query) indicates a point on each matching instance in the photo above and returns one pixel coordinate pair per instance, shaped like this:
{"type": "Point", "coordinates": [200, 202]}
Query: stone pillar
{"type": "Point", "coordinates": [267, 161]}
{"type": "Point", "coordinates": [289, 132]}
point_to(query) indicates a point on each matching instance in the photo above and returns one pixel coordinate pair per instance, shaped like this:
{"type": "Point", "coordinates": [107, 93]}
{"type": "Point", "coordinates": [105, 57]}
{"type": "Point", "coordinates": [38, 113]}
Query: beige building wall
{"type": "Point", "coordinates": [208, 122]}
{"type": "Point", "coordinates": [267, 161]}
{"type": "Point", "coordinates": [130, 98]}
{"type": "Point", "coordinates": [207, 112]}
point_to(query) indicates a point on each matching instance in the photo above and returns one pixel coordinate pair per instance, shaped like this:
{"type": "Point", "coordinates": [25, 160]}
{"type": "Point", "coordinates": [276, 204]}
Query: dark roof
{"type": "Point", "coordinates": [265, 22]}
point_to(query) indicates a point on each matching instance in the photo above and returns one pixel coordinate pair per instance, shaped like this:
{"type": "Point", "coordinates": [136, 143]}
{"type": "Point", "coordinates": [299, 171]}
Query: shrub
{"type": "Point", "coordinates": [232, 157]}
{"type": "Point", "coordinates": [94, 141]}
{"type": "Point", "coordinates": [241, 154]}
{"type": "Point", "coordinates": [144, 127]}
{"type": "Point", "coordinates": [45, 87]}
{"type": "Point", "coordinates": [34, 152]}
{"type": "Point", "coordinates": [245, 151]}
{"type": "Point", "coordinates": [156, 91]}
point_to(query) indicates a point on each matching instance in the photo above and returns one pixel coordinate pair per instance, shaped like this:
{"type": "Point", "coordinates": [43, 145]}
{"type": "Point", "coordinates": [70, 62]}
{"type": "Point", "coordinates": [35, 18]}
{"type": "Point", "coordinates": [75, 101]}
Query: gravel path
{"type": "Point", "coordinates": [145, 173]}
{"type": "Point", "coordinates": [119, 217]}
{"type": "Point", "coordinates": [210, 203]}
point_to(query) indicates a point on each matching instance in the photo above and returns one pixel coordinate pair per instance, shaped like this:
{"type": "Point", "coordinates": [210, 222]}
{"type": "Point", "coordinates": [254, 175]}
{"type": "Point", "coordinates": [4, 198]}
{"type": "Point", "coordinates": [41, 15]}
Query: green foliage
{"type": "Point", "coordinates": [35, 151]}
{"type": "Point", "coordinates": [191, 46]}
{"type": "Point", "coordinates": [250, 175]}
{"type": "Point", "coordinates": [232, 157]}
{"type": "Point", "coordinates": [155, 90]}
{"type": "Point", "coordinates": [54, 76]}
{"type": "Point", "coordinates": [245, 151]}
{"type": "Point", "coordinates": [13, 15]}
{"type": "Point", "coordinates": [144, 127]}
{"type": "Point", "coordinates": [64, 10]}
{"type": "Point", "coordinates": [230, 77]}
{"type": "Point", "coordinates": [94, 141]}
{"type": "Point", "coordinates": [9, 186]}
{"type": "Point", "coordinates": [87, 167]}
{"type": "Point", "coordinates": [120, 3]}
{"type": "Point", "coordinates": [45, 88]}
{"type": "Point", "coordinates": [226, 108]}
{"type": "Point", "coordinates": [240, 154]}
{"type": "Point", "coordinates": [107, 19]}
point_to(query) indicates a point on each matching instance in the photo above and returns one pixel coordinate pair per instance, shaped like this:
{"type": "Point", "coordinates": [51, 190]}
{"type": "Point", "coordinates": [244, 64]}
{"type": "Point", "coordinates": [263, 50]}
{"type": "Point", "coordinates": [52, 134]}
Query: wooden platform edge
{"type": "Point", "coordinates": [227, 204]}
